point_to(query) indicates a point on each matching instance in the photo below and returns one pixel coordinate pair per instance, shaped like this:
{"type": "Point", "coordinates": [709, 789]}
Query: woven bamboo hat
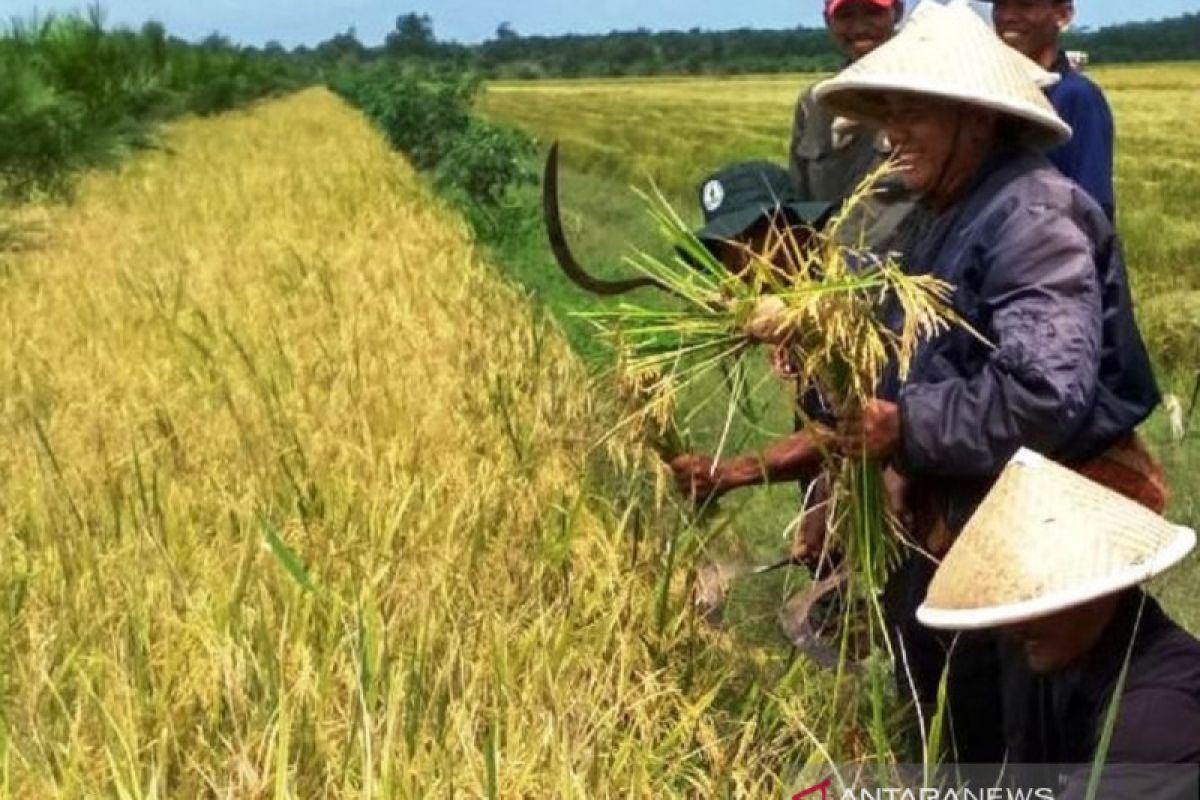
{"type": "Point", "coordinates": [948, 52]}
{"type": "Point", "coordinates": [1043, 540]}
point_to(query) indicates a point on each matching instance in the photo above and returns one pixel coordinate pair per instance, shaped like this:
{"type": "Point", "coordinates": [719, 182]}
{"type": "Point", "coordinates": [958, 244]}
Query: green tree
{"type": "Point", "coordinates": [413, 36]}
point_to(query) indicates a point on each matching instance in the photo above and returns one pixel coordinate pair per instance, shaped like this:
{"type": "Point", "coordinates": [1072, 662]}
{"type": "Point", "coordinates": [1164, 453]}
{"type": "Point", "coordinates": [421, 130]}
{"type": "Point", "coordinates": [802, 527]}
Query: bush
{"type": "Point", "coordinates": [422, 114]}
{"type": "Point", "coordinates": [427, 116]}
{"type": "Point", "coordinates": [486, 161]}
{"type": "Point", "coordinates": [42, 134]}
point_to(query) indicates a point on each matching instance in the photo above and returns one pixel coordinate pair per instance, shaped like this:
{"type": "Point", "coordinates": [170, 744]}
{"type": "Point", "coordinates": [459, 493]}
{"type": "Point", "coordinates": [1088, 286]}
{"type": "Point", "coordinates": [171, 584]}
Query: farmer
{"type": "Point", "coordinates": [1055, 561]}
{"type": "Point", "coordinates": [829, 154]}
{"type": "Point", "coordinates": [740, 203]}
{"type": "Point", "coordinates": [1055, 360]}
{"type": "Point", "coordinates": [1033, 27]}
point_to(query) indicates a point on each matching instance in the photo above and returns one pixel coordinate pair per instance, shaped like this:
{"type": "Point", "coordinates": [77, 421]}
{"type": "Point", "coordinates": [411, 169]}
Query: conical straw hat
{"type": "Point", "coordinates": [948, 52]}
{"type": "Point", "coordinates": [1043, 540]}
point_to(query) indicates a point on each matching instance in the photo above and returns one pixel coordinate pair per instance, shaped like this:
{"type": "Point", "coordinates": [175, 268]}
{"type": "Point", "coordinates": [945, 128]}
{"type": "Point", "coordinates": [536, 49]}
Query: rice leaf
{"type": "Point", "coordinates": [287, 558]}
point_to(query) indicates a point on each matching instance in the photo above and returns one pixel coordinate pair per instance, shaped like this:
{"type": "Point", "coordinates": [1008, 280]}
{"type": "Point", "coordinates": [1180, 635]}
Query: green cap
{"type": "Point", "coordinates": [737, 197]}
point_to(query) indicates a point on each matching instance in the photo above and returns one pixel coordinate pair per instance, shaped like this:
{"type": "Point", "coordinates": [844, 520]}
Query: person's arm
{"type": "Point", "coordinates": [796, 458]}
{"type": "Point", "coordinates": [1091, 147]}
{"type": "Point", "coordinates": [792, 459]}
{"type": "Point", "coordinates": [1042, 294]}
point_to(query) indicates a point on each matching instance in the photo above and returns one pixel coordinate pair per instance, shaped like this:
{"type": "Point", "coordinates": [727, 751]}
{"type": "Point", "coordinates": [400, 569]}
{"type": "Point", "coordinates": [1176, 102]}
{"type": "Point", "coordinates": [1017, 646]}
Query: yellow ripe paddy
{"type": "Point", "coordinates": [301, 501]}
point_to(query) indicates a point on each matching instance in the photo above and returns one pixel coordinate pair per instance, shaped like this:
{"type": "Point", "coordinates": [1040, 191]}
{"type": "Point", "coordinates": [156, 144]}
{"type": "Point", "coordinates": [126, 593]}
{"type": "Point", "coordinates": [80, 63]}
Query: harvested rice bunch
{"type": "Point", "coordinates": [842, 315]}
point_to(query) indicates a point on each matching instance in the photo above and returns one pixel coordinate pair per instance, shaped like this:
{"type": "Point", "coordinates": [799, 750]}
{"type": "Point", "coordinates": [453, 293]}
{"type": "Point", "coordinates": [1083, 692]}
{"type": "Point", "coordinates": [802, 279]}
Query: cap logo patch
{"type": "Point", "coordinates": [713, 195]}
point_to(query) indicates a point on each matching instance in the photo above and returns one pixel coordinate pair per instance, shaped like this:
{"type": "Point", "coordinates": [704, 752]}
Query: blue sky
{"type": "Point", "coordinates": [296, 21]}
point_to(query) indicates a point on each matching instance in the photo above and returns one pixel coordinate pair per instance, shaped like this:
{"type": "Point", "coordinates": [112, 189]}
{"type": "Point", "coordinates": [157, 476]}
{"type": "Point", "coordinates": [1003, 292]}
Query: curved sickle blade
{"type": "Point", "coordinates": [796, 620]}
{"type": "Point", "coordinates": [562, 253]}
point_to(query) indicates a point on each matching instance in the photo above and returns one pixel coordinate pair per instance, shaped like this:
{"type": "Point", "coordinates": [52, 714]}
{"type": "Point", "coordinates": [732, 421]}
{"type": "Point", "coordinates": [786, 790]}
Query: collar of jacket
{"type": "Point", "coordinates": [1062, 64]}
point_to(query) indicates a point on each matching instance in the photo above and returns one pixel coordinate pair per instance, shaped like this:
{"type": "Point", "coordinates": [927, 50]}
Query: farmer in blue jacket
{"type": "Point", "coordinates": [1037, 270]}
{"type": "Point", "coordinates": [1033, 28]}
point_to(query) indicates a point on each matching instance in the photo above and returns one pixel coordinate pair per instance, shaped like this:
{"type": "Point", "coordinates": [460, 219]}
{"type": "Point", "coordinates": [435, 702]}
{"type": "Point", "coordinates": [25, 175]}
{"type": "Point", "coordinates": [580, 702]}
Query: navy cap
{"type": "Point", "coordinates": [737, 197]}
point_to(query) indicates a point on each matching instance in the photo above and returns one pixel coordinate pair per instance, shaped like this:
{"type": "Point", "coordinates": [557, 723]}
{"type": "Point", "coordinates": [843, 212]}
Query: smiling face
{"type": "Point", "coordinates": [937, 144]}
{"type": "Point", "coordinates": [922, 135]}
{"type": "Point", "coordinates": [859, 26]}
{"type": "Point", "coordinates": [1058, 642]}
{"type": "Point", "coordinates": [1032, 27]}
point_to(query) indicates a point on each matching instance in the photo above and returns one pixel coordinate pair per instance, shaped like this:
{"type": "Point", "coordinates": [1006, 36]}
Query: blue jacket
{"type": "Point", "coordinates": [1038, 271]}
{"type": "Point", "coordinates": [1088, 158]}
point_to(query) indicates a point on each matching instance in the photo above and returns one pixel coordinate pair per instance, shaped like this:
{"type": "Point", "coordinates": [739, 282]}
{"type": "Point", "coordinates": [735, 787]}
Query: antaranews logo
{"type": "Point", "coordinates": [824, 790]}
{"type": "Point", "coordinates": [821, 791]}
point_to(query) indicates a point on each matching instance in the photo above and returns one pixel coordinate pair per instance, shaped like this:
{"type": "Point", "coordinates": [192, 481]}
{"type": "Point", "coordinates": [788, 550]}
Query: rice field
{"type": "Point", "coordinates": [675, 131]}
{"type": "Point", "coordinates": [303, 501]}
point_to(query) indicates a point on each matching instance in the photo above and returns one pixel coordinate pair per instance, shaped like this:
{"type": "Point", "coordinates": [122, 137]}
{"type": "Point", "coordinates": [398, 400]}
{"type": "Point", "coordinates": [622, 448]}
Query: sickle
{"type": "Point", "coordinates": [562, 253]}
{"type": "Point", "coordinates": [796, 620]}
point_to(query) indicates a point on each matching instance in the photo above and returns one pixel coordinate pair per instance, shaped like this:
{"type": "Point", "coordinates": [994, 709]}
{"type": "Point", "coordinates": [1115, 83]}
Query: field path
{"type": "Point", "coordinates": [301, 501]}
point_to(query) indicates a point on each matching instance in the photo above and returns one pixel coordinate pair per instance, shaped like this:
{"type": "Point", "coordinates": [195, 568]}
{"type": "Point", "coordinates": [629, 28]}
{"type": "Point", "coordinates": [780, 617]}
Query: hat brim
{"type": "Point", "coordinates": [730, 226]}
{"type": "Point", "coordinates": [967, 619]}
{"type": "Point", "coordinates": [866, 100]}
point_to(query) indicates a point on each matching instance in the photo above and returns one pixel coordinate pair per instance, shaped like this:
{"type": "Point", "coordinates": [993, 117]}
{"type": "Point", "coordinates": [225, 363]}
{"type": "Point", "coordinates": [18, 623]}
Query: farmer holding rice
{"type": "Point", "coordinates": [1033, 27]}
{"type": "Point", "coordinates": [751, 211]}
{"type": "Point", "coordinates": [1038, 274]}
{"type": "Point", "coordinates": [829, 157]}
{"type": "Point", "coordinates": [740, 203]}
{"type": "Point", "coordinates": [1055, 561]}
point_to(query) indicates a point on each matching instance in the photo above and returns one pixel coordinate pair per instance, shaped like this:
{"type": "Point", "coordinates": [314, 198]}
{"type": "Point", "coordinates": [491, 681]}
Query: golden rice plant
{"type": "Point", "coordinates": [299, 502]}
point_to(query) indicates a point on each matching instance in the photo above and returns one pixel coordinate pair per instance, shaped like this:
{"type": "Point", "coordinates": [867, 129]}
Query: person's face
{"type": "Point", "coordinates": [765, 235]}
{"type": "Point", "coordinates": [1057, 642]}
{"type": "Point", "coordinates": [923, 136]}
{"type": "Point", "coordinates": [859, 26]}
{"type": "Point", "coordinates": [1031, 26]}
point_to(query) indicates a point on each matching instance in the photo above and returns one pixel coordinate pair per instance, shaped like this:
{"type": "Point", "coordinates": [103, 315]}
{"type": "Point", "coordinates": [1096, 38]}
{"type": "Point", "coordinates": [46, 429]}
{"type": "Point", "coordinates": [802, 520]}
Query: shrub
{"type": "Point", "coordinates": [486, 161]}
{"type": "Point", "coordinates": [428, 116]}
{"type": "Point", "coordinates": [41, 132]}
{"type": "Point", "coordinates": [422, 113]}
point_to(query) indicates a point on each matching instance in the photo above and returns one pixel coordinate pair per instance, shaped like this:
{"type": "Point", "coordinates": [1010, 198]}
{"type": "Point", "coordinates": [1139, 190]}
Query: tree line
{"type": "Point", "coordinates": [508, 54]}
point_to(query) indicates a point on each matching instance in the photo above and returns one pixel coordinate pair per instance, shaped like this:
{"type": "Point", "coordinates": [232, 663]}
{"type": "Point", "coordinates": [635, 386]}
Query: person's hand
{"type": "Point", "coordinates": [808, 543]}
{"type": "Point", "coordinates": [872, 433]}
{"type": "Point", "coordinates": [895, 497]}
{"type": "Point", "coordinates": [766, 323]}
{"type": "Point", "coordinates": [698, 477]}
